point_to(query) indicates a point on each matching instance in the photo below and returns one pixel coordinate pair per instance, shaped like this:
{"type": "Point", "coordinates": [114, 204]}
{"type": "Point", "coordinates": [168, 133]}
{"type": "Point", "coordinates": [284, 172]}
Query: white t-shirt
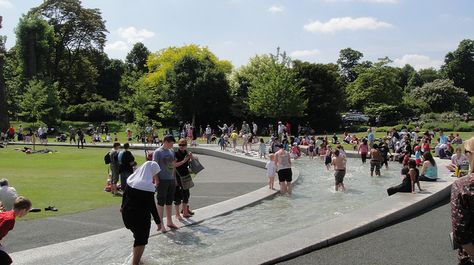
{"type": "Point", "coordinates": [7, 197]}
{"type": "Point", "coordinates": [271, 168]}
{"type": "Point", "coordinates": [458, 160]}
{"type": "Point", "coordinates": [142, 178]}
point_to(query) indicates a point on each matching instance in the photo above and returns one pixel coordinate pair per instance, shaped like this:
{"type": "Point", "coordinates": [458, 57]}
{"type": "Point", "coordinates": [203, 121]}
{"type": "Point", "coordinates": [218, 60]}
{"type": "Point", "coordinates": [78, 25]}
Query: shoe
{"type": "Point", "coordinates": [35, 210]}
{"type": "Point", "coordinates": [51, 208]}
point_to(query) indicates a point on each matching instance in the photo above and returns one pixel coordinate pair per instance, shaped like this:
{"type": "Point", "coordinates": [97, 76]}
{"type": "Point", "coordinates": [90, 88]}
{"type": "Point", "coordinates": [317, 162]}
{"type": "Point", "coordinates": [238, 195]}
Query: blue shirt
{"type": "Point", "coordinates": [164, 158]}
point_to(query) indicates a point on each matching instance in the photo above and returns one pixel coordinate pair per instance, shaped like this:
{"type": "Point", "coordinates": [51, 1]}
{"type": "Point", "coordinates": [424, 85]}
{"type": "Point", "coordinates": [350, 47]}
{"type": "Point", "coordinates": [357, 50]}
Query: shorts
{"type": "Point", "coordinates": [5, 258]}
{"type": "Point", "coordinates": [136, 216]}
{"type": "Point", "coordinates": [339, 176]}
{"type": "Point", "coordinates": [285, 175]}
{"type": "Point", "coordinates": [115, 175]}
{"type": "Point", "coordinates": [375, 164]}
{"type": "Point", "coordinates": [166, 190]}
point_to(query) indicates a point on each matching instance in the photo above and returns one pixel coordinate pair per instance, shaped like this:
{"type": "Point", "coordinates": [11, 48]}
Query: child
{"type": "Point", "coordinates": [295, 151]}
{"type": "Point", "coordinates": [417, 155]}
{"type": "Point", "coordinates": [222, 143]}
{"type": "Point", "coordinates": [328, 157]}
{"type": "Point", "coordinates": [271, 171]}
{"type": "Point", "coordinates": [363, 150]}
{"type": "Point", "coordinates": [21, 207]}
{"type": "Point", "coordinates": [234, 137]}
{"type": "Point", "coordinates": [262, 149]}
{"type": "Point", "coordinates": [311, 149]}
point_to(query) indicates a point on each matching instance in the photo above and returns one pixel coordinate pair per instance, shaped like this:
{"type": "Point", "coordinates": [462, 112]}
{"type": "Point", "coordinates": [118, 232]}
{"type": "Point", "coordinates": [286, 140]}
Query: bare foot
{"type": "Point", "coordinates": [172, 226]}
{"type": "Point", "coordinates": [179, 217]}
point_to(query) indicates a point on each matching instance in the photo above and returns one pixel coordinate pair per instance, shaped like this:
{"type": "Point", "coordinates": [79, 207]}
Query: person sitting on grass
{"type": "Point", "coordinates": [21, 207]}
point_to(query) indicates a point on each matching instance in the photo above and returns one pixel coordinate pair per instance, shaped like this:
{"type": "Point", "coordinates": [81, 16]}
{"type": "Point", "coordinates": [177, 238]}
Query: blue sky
{"type": "Point", "coordinates": [419, 32]}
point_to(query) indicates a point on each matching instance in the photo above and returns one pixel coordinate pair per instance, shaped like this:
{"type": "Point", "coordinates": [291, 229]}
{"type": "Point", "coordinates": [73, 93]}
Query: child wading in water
{"type": "Point", "coordinates": [363, 150]}
{"type": "Point", "coordinates": [262, 149]}
{"type": "Point", "coordinates": [327, 157]}
{"type": "Point", "coordinates": [271, 171]}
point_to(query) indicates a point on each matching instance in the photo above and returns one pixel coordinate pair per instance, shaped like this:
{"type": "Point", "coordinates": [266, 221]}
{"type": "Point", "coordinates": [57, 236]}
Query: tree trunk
{"type": "Point", "coordinates": [4, 122]}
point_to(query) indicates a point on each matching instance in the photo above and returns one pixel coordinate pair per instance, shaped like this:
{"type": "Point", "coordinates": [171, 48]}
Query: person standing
{"type": "Point", "coordinates": [254, 128]}
{"type": "Point", "coordinates": [462, 199]}
{"type": "Point", "coordinates": [283, 164]}
{"type": "Point", "coordinates": [208, 134]}
{"type": "Point", "coordinates": [80, 138]}
{"type": "Point", "coordinates": [165, 158]}
{"type": "Point", "coordinates": [72, 135]}
{"type": "Point", "coordinates": [181, 197]}
{"type": "Point", "coordinates": [126, 164]}
{"type": "Point", "coordinates": [138, 204]}
{"type": "Point", "coordinates": [114, 169]}
{"type": "Point", "coordinates": [339, 163]}
{"type": "Point", "coordinates": [375, 161]}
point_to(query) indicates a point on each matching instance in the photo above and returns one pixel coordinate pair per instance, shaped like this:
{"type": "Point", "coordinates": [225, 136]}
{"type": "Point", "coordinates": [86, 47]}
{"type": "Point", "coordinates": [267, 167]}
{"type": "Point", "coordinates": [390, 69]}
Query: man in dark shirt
{"type": "Point", "coordinates": [126, 164]}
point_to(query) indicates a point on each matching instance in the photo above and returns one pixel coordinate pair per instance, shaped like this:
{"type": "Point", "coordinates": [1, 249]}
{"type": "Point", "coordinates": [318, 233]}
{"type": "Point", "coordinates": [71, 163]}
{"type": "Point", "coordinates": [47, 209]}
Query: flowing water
{"type": "Point", "coordinates": [314, 201]}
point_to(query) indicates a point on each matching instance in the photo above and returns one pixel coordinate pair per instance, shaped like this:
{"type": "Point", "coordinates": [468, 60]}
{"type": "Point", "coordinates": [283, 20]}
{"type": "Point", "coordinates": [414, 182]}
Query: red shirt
{"type": "Point", "coordinates": [7, 222]}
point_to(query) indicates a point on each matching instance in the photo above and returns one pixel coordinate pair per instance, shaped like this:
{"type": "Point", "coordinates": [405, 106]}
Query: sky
{"type": "Point", "coordinates": [417, 32]}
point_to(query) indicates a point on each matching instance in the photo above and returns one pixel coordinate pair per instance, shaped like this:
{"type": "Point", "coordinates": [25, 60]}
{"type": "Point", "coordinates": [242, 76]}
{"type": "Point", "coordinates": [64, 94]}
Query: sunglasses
{"type": "Point", "coordinates": [467, 152]}
{"type": "Point", "coordinates": [182, 145]}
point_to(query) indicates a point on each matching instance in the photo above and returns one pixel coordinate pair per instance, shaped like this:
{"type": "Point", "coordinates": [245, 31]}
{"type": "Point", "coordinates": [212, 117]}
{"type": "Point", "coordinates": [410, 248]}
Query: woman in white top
{"type": "Point", "coordinates": [283, 164]}
{"type": "Point", "coordinates": [457, 160]}
{"type": "Point", "coordinates": [138, 203]}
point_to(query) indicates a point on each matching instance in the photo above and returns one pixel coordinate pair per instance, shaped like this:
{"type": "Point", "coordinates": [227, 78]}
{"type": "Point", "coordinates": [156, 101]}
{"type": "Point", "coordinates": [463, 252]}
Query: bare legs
{"type": "Point", "coordinates": [137, 254]}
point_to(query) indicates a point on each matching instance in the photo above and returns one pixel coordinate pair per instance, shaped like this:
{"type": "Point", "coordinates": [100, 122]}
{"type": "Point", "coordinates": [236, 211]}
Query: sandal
{"type": "Point", "coordinates": [51, 208]}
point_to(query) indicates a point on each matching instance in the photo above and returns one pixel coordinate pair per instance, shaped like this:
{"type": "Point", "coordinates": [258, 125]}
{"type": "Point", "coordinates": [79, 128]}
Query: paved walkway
{"type": "Point", "coordinates": [221, 180]}
{"type": "Point", "coordinates": [423, 239]}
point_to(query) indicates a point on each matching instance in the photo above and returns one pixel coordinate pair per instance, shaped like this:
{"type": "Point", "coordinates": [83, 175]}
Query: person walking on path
{"type": "Point", "coordinates": [80, 138]}
{"type": "Point", "coordinates": [72, 135]}
{"type": "Point", "coordinates": [165, 158]}
{"type": "Point", "coordinates": [126, 164]}
{"type": "Point", "coordinates": [283, 164]}
{"type": "Point", "coordinates": [208, 134]}
{"type": "Point", "coordinates": [138, 204]}
{"type": "Point", "coordinates": [114, 169]}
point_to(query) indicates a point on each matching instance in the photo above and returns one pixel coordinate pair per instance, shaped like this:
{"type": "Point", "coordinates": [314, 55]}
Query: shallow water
{"type": "Point", "coordinates": [314, 201]}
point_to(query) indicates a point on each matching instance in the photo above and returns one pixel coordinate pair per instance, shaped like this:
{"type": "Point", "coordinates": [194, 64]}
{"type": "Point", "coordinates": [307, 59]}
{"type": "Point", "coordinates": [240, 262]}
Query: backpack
{"type": "Point", "coordinates": [107, 158]}
{"type": "Point", "coordinates": [120, 157]}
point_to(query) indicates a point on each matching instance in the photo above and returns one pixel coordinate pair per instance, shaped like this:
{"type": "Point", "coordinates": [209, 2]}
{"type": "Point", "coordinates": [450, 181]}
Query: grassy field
{"type": "Point", "coordinates": [70, 179]}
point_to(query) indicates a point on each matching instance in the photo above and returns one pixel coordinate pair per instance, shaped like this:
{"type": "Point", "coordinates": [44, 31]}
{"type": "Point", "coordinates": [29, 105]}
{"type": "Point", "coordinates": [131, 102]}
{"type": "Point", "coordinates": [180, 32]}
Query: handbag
{"type": "Point", "coordinates": [195, 166]}
{"type": "Point", "coordinates": [186, 181]}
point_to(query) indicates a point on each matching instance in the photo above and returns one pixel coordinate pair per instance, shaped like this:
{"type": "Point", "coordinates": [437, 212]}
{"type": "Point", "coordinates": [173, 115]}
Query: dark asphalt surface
{"type": "Point", "coordinates": [221, 180]}
{"type": "Point", "coordinates": [422, 239]}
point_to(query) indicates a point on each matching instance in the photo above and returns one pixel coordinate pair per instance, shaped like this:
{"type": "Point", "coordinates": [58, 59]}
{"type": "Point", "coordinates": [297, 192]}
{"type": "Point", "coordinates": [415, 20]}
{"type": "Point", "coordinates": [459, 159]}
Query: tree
{"type": "Point", "coordinates": [429, 75]}
{"type": "Point", "coordinates": [459, 66]}
{"type": "Point", "coordinates": [163, 76]}
{"type": "Point", "coordinates": [442, 95]}
{"type": "Point", "coordinates": [325, 91]}
{"type": "Point", "coordinates": [348, 60]}
{"type": "Point", "coordinates": [41, 103]}
{"type": "Point", "coordinates": [378, 84]}
{"type": "Point", "coordinates": [414, 81]}
{"type": "Point", "coordinates": [137, 57]}
{"type": "Point", "coordinates": [405, 74]}
{"type": "Point", "coordinates": [110, 72]}
{"type": "Point", "coordinates": [275, 91]}
{"type": "Point", "coordinates": [4, 121]}
{"type": "Point", "coordinates": [35, 45]}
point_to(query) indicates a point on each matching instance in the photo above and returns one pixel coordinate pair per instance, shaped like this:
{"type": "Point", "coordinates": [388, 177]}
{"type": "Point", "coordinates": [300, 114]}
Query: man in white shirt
{"type": "Point", "coordinates": [7, 195]}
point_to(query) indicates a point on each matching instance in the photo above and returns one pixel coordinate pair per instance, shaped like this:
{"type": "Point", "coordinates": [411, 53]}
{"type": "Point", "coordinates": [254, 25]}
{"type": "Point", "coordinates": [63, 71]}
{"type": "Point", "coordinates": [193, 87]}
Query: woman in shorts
{"type": "Point", "coordinates": [138, 204]}
{"type": "Point", "coordinates": [283, 164]}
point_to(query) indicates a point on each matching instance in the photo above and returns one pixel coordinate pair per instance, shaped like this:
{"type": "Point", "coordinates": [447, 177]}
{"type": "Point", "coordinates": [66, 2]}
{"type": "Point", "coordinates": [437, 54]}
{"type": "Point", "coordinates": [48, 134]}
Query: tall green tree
{"type": "Point", "coordinates": [41, 103]}
{"type": "Point", "coordinates": [35, 46]}
{"type": "Point", "coordinates": [275, 91]}
{"type": "Point", "coordinates": [405, 74]}
{"type": "Point", "coordinates": [377, 85]}
{"type": "Point", "coordinates": [459, 66]}
{"type": "Point", "coordinates": [442, 95]}
{"type": "Point", "coordinates": [4, 121]}
{"type": "Point", "coordinates": [162, 73]}
{"type": "Point", "coordinates": [348, 61]}
{"type": "Point", "coordinates": [137, 57]}
{"type": "Point", "coordinates": [429, 75]}
{"type": "Point", "coordinates": [324, 89]}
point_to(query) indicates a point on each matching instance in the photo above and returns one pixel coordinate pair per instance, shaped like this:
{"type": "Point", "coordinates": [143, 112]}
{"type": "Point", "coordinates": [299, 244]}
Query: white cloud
{"type": "Point", "coordinates": [304, 53]}
{"type": "Point", "coordinates": [365, 1]}
{"type": "Point", "coordinates": [133, 35]}
{"type": "Point", "coordinates": [346, 23]}
{"type": "Point", "coordinates": [276, 9]}
{"type": "Point", "coordinates": [116, 46]}
{"type": "Point", "coordinates": [5, 4]}
{"type": "Point", "coordinates": [417, 61]}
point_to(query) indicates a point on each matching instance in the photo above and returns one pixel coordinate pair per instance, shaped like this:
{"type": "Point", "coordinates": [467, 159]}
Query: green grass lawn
{"type": "Point", "coordinates": [70, 179]}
